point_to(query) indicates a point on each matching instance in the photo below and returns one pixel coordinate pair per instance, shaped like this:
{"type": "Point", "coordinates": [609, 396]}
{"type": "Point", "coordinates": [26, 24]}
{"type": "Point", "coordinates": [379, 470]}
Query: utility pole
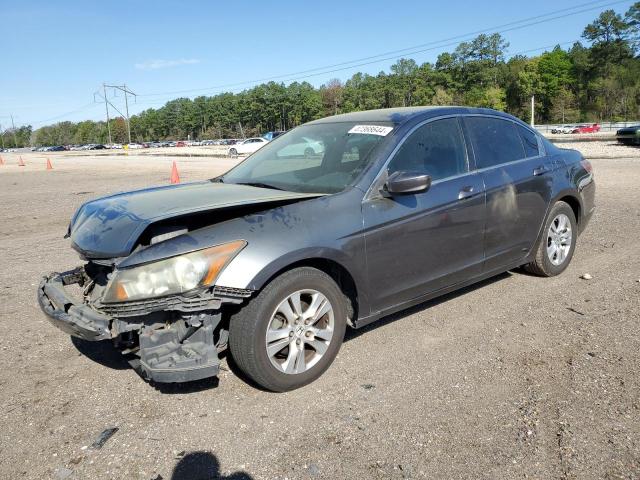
{"type": "Point", "coordinates": [13, 126]}
{"type": "Point", "coordinates": [126, 106]}
{"type": "Point", "coordinates": [125, 90]}
{"type": "Point", "coordinates": [106, 107]}
{"type": "Point", "coordinates": [533, 110]}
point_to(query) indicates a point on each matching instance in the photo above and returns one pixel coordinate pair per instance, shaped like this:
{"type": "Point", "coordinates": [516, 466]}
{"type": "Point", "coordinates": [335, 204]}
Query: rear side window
{"type": "Point", "coordinates": [495, 141]}
{"type": "Point", "coordinates": [530, 142]}
{"type": "Point", "coordinates": [436, 148]}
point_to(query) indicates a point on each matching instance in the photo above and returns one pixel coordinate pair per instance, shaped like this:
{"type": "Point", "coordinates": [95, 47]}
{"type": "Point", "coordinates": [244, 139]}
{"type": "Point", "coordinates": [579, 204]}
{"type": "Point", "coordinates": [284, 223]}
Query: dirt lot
{"type": "Point", "coordinates": [519, 377]}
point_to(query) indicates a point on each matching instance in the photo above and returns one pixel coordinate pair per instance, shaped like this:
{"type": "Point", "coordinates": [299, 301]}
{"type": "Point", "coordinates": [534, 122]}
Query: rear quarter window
{"type": "Point", "coordinates": [494, 141]}
{"type": "Point", "coordinates": [530, 142]}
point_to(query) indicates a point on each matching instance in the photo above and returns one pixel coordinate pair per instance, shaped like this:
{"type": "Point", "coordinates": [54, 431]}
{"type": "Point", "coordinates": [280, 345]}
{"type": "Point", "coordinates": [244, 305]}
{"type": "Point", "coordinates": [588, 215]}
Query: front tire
{"type": "Point", "coordinates": [233, 152]}
{"type": "Point", "coordinates": [557, 243]}
{"type": "Point", "coordinates": [289, 334]}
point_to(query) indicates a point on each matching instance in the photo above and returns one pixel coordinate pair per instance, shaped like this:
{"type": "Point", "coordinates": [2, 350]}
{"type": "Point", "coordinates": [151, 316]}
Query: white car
{"type": "Point", "coordinates": [308, 147]}
{"type": "Point", "coordinates": [134, 146]}
{"type": "Point", "coordinates": [564, 129]}
{"type": "Point", "coordinates": [250, 145]}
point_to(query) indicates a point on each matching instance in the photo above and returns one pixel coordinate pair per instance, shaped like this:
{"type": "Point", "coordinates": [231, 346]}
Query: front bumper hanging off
{"type": "Point", "coordinates": [78, 320]}
{"type": "Point", "coordinates": [180, 349]}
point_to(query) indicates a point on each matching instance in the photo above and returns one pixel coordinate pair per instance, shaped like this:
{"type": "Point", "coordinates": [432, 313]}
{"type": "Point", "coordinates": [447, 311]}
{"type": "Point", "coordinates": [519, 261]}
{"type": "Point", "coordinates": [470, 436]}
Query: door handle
{"type": "Point", "coordinates": [466, 192]}
{"type": "Point", "coordinates": [540, 171]}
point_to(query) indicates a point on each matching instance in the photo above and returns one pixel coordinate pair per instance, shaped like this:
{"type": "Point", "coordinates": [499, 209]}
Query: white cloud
{"type": "Point", "coordinates": [156, 64]}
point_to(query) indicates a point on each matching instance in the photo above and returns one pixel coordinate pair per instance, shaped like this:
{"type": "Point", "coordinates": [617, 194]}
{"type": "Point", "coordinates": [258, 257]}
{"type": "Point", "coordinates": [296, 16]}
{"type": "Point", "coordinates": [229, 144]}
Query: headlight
{"type": "Point", "coordinates": [173, 275]}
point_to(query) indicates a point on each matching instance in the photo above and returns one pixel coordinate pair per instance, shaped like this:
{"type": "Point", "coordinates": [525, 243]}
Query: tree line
{"type": "Point", "coordinates": [595, 80]}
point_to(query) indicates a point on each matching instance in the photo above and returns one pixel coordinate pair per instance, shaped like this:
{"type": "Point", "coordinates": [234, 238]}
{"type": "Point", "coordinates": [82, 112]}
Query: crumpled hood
{"type": "Point", "coordinates": [110, 226]}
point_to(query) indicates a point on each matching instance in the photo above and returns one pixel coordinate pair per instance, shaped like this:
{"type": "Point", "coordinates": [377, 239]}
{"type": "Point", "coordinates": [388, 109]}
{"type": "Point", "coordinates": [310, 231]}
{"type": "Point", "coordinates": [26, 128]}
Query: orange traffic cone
{"type": "Point", "coordinates": [49, 166]}
{"type": "Point", "coordinates": [175, 176]}
{"type": "Point", "coordinates": [21, 162]}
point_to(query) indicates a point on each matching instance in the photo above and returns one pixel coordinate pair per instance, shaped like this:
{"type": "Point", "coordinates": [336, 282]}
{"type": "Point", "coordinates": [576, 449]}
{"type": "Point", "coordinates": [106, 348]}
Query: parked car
{"type": "Point", "coordinates": [306, 147]}
{"type": "Point", "coordinates": [275, 258]}
{"type": "Point", "coordinates": [135, 146]}
{"type": "Point", "coordinates": [563, 129]}
{"type": "Point", "coordinates": [181, 144]}
{"type": "Point", "coordinates": [96, 147]}
{"type": "Point", "coordinates": [249, 146]}
{"type": "Point", "coordinates": [629, 135]}
{"type": "Point", "coordinates": [587, 128]}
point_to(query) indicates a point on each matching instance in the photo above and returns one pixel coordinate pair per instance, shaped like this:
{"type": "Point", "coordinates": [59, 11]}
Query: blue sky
{"type": "Point", "coordinates": [55, 54]}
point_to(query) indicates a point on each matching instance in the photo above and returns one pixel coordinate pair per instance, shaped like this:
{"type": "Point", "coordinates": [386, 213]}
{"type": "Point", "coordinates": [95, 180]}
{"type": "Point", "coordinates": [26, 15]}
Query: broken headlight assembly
{"type": "Point", "coordinates": [171, 276]}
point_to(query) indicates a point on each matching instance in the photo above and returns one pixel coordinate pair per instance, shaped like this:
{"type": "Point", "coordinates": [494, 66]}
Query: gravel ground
{"type": "Point", "coordinates": [518, 377]}
{"type": "Point", "coordinates": [602, 149]}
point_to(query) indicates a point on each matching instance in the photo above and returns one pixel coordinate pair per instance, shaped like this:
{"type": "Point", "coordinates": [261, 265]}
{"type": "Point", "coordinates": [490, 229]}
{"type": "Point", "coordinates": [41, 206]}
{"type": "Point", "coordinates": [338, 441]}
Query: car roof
{"type": "Point", "coordinates": [401, 115]}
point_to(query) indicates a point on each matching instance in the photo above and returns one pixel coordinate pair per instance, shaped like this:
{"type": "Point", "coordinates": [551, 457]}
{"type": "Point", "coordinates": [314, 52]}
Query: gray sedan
{"type": "Point", "coordinates": [274, 259]}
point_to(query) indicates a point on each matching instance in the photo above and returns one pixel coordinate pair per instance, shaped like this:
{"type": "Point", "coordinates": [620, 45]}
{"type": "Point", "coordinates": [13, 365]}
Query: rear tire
{"type": "Point", "coordinates": [233, 152]}
{"type": "Point", "coordinates": [276, 340]}
{"type": "Point", "coordinates": [557, 242]}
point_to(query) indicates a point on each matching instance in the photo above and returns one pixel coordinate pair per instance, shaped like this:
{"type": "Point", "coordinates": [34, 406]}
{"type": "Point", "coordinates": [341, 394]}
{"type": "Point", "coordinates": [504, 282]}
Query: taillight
{"type": "Point", "coordinates": [586, 164]}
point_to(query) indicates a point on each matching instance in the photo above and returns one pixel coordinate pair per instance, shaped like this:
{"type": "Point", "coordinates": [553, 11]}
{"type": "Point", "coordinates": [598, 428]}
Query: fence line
{"type": "Point", "coordinates": [604, 126]}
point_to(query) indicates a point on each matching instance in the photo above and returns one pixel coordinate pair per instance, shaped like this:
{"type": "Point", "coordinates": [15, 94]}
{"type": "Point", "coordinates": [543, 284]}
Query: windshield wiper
{"type": "Point", "coordinates": [260, 185]}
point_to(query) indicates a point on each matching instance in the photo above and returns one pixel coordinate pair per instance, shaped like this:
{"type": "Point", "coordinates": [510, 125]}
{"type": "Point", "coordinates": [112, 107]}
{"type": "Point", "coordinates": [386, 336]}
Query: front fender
{"type": "Point", "coordinates": [261, 276]}
{"type": "Point", "coordinates": [245, 272]}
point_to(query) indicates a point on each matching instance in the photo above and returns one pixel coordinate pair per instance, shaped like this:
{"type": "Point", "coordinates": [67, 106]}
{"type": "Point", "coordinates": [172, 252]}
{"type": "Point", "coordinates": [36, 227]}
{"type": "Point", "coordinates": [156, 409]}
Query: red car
{"type": "Point", "coordinates": [181, 144]}
{"type": "Point", "coordinates": [587, 128]}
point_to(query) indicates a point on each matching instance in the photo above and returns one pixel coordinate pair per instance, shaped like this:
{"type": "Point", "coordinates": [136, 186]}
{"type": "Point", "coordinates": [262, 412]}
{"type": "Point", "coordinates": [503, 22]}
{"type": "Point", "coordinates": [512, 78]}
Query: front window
{"type": "Point", "coordinates": [320, 158]}
{"type": "Point", "coordinates": [436, 148]}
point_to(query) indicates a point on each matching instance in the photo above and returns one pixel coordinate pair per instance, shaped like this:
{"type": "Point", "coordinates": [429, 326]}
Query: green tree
{"type": "Point", "coordinates": [632, 18]}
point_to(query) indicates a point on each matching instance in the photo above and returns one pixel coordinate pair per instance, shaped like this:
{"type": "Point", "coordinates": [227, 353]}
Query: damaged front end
{"type": "Point", "coordinates": [171, 338]}
{"type": "Point", "coordinates": [150, 282]}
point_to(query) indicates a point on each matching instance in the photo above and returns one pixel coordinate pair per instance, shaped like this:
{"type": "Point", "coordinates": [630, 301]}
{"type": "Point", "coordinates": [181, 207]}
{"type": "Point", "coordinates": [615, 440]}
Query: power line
{"type": "Point", "coordinates": [80, 109]}
{"type": "Point", "coordinates": [417, 49]}
{"type": "Point", "coordinates": [405, 51]}
{"type": "Point", "coordinates": [521, 52]}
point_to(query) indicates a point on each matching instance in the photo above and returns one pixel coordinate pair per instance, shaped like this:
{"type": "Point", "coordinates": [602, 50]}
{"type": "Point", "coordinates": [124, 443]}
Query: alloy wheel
{"type": "Point", "coordinates": [559, 238]}
{"type": "Point", "coordinates": [300, 331]}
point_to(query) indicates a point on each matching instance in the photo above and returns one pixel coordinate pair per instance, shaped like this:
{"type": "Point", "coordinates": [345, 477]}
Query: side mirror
{"type": "Point", "coordinates": [406, 183]}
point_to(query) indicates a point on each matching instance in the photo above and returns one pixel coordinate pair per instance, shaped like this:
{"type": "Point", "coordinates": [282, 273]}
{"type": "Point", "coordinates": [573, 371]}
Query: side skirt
{"type": "Point", "coordinates": [361, 322]}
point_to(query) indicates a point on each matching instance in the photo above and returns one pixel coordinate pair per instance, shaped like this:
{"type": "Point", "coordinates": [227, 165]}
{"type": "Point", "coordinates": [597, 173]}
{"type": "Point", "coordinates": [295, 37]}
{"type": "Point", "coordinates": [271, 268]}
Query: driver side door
{"type": "Point", "coordinates": [420, 243]}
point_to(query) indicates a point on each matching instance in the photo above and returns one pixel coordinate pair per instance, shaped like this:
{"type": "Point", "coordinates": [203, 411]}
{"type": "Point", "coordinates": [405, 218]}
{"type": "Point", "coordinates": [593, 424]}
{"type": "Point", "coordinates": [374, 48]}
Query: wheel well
{"type": "Point", "coordinates": [575, 206]}
{"type": "Point", "coordinates": [338, 273]}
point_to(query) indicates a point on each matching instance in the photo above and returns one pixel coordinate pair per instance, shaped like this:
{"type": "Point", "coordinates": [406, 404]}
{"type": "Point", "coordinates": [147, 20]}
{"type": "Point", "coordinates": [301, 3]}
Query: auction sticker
{"type": "Point", "coordinates": [371, 130]}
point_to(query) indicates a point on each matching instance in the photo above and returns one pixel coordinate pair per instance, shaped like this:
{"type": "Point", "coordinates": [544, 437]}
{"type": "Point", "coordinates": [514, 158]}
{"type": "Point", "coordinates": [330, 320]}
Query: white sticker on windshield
{"type": "Point", "coordinates": [371, 130]}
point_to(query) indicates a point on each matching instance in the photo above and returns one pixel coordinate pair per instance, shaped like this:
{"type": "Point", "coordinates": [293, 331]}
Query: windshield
{"type": "Point", "coordinates": [320, 158]}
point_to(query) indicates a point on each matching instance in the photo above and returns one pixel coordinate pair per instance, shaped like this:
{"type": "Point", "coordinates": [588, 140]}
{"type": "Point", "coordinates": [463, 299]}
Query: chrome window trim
{"type": "Point", "coordinates": [373, 192]}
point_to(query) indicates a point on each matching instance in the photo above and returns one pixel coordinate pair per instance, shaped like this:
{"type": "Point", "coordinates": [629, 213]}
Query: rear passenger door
{"type": "Point", "coordinates": [518, 184]}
